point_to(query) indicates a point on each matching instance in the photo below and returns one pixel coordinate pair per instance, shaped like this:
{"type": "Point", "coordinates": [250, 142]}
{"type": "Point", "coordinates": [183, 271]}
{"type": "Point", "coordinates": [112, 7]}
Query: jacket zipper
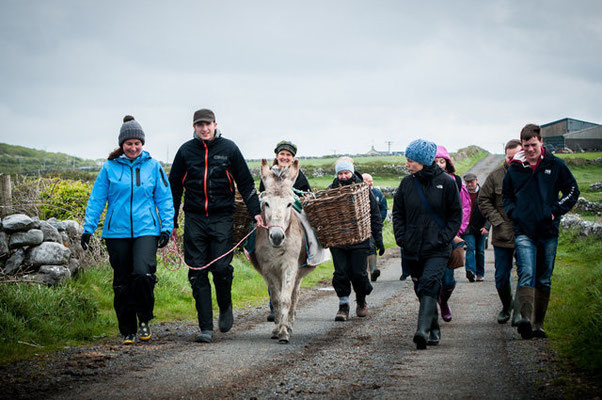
{"type": "Point", "coordinates": [132, 201]}
{"type": "Point", "coordinates": [152, 216]}
{"type": "Point", "coordinates": [229, 180]}
{"type": "Point", "coordinates": [205, 179]}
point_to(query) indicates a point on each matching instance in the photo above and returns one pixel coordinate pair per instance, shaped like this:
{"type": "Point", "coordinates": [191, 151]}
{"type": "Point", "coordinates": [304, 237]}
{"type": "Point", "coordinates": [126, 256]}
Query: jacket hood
{"type": "Point", "coordinates": [428, 172]}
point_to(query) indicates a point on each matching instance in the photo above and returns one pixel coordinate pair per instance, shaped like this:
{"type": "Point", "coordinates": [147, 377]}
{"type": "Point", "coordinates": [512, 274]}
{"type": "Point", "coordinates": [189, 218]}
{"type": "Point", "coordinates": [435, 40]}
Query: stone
{"type": "Point", "coordinates": [51, 234]}
{"type": "Point", "coordinates": [584, 228]}
{"type": "Point", "coordinates": [74, 230]}
{"type": "Point", "coordinates": [56, 273]}
{"type": "Point", "coordinates": [17, 222]}
{"type": "Point", "coordinates": [3, 243]}
{"type": "Point", "coordinates": [14, 262]}
{"type": "Point", "coordinates": [32, 237]}
{"type": "Point", "coordinates": [59, 225]}
{"type": "Point", "coordinates": [48, 253]}
{"type": "Point", "coordinates": [73, 266]}
{"type": "Point", "coordinates": [36, 223]}
{"type": "Point", "coordinates": [64, 237]}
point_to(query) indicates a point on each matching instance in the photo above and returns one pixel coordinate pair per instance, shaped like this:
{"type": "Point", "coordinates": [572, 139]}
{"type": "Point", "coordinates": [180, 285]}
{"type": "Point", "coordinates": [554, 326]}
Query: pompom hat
{"type": "Point", "coordinates": [130, 129]}
{"type": "Point", "coordinates": [421, 151]}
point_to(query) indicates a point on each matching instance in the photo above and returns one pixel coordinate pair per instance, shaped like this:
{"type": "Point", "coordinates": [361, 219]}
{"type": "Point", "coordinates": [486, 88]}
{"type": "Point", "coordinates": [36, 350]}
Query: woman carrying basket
{"type": "Point", "coordinates": [350, 261]}
{"type": "Point", "coordinates": [427, 214]}
{"type": "Point", "coordinates": [135, 187]}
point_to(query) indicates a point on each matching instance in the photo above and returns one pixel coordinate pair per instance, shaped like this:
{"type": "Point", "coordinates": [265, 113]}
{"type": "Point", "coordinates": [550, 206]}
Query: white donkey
{"type": "Point", "coordinates": [280, 250]}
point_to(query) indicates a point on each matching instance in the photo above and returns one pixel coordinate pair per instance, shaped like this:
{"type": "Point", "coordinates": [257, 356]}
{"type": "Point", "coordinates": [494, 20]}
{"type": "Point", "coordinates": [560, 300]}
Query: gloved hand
{"type": "Point", "coordinates": [85, 239]}
{"type": "Point", "coordinates": [381, 249]}
{"type": "Point", "coordinates": [163, 240]}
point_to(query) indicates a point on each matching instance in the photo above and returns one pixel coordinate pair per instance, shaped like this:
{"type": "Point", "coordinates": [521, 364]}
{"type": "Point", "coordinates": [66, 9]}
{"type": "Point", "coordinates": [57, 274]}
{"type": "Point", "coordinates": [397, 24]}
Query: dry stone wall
{"type": "Point", "coordinates": [43, 251]}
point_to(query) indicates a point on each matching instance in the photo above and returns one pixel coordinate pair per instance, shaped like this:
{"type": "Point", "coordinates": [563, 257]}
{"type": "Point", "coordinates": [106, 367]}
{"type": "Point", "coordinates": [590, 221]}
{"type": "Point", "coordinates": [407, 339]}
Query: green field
{"type": "Point", "coordinates": [586, 172]}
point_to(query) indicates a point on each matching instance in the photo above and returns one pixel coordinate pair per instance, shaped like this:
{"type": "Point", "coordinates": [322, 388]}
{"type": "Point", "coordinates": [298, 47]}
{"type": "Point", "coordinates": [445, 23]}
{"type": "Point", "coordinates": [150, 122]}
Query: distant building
{"type": "Point", "coordinates": [374, 152]}
{"type": "Point", "coordinates": [572, 133]}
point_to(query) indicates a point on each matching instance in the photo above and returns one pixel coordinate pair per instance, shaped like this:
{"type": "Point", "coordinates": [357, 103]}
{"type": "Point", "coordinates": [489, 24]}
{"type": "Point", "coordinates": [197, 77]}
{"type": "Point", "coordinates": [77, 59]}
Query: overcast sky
{"type": "Point", "coordinates": [329, 75]}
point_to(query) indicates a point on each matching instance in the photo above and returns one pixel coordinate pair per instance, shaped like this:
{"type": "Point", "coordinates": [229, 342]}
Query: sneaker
{"type": "Point", "coordinates": [374, 276]}
{"type": "Point", "coordinates": [225, 319]}
{"type": "Point", "coordinates": [362, 309]}
{"type": "Point", "coordinates": [204, 337]}
{"type": "Point", "coordinates": [480, 279]}
{"type": "Point", "coordinates": [129, 339]}
{"type": "Point", "coordinates": [470, 276]}
{"type": "Point", "coordinates": [144, 333]}
{"type": "Point", "coordinates": [343, 313]}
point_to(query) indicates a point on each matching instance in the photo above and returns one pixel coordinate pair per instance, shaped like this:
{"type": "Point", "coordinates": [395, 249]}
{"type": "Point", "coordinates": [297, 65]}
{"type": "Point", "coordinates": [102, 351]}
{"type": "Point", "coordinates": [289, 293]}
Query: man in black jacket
{"type": "Point", "coordinates": [207, 167]}
{"type": "Point", "coordinates": [530, 193]}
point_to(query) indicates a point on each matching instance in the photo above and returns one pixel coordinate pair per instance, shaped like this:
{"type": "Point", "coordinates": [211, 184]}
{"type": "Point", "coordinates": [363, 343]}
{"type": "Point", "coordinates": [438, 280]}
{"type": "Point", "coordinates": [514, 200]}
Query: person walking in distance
{"type": "Point", "coordinates": [139, 219]}
{"type": "Point", "coordinates": [443, 160]}
{"type": "Point", "coordinates": [476, 232]}
{"type": "Point", "coordinates": [530, 192]}
{"type": "Point", "coordinates": [207, 167]}
{"type": "Point", "coordinates": [502, 238]}
{"type": "Point", "coordinates": [382, 206]}
{"type": "Point", "coordinates": [427, 214]}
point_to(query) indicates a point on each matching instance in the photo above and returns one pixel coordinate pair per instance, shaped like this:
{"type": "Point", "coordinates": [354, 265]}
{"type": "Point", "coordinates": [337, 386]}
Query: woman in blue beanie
{"type": "Point", "coordinates": [350, 261]}
{"type": "Point", "coordinates": [427, 214]}
{"type": "Point", "coordinates": [139, 219]}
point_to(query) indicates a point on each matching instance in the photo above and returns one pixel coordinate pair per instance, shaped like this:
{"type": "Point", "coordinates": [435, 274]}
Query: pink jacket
{"type": "Point", "coordinates": [464, 195]}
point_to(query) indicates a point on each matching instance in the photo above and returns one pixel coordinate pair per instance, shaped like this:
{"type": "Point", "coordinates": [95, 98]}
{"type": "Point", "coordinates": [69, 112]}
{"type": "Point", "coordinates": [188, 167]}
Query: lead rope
{"type": "Point", "coordinates": [175, 249]}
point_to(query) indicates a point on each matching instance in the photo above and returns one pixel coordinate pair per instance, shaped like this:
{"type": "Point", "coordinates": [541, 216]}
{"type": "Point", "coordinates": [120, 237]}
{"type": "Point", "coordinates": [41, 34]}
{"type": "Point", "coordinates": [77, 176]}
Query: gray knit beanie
{"type": "Point", "coordinates": [130, 129]}
{"type": "Point", "coordinates": [421, 151]}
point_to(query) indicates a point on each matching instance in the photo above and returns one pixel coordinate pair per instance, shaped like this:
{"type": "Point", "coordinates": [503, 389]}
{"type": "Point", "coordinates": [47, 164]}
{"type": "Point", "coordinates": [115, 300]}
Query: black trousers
{"type": "Point", "coordinates": [427, 274]}
{"type": "Point", "coordinates": [134, 263]}
{"type": "Point", "coordinates": [350, 269]}
{"type": "Point", "coordinates": [205, 239]}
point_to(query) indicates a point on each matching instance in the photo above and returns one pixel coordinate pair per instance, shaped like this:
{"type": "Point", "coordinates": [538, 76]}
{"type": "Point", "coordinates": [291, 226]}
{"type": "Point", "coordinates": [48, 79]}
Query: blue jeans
{"type": "Point", "coordinates": [503, 266]}
{"type": "Point", "coordinates": [475, 254]}
{"type": "Point", "coordinates": [449, 280]}
{"type": "Point", "coordinates": [535, 261]}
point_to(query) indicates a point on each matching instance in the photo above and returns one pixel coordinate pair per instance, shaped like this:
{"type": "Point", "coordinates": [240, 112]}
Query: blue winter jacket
{"type": "Point", "coordinates": [135, 190]}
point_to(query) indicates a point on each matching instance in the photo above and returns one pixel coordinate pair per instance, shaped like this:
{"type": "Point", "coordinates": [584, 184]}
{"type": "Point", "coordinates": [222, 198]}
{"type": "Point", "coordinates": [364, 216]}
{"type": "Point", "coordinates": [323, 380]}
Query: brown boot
{"type": "Point", "coordinates": [526, 297]}
{"type": "Point", "coordinates": [542, 297]}
{"type": "Point", "coordinates": [343, 313]}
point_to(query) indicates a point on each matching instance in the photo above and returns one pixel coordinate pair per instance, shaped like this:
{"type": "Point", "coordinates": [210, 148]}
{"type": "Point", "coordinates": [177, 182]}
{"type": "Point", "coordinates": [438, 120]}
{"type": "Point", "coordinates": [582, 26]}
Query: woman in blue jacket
{"type": "Point", "coordinates": [139, 219]}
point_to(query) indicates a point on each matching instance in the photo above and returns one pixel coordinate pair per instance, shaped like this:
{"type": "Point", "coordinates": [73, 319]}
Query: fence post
{"type": "Point", "coordinates": [5, 196]}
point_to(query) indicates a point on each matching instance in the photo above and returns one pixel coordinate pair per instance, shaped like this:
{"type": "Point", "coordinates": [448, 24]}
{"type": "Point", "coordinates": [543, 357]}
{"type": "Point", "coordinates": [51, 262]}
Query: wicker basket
{"type": "Point", "coordinates": [242, 219]}
{"type": "Point", "coordinates": [340, 216]}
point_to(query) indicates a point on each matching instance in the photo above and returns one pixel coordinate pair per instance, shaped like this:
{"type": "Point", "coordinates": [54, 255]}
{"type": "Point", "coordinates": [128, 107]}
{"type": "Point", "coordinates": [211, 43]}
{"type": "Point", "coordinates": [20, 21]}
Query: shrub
{"type": "Point", "coordinates": [65, 199]}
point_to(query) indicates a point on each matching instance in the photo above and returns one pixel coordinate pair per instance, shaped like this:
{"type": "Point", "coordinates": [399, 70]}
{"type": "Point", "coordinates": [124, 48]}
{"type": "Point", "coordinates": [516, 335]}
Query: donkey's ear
{"type": "Point", "coordinates": [266, 175]}
{"type": "Point", "coordinates": [292, 172]}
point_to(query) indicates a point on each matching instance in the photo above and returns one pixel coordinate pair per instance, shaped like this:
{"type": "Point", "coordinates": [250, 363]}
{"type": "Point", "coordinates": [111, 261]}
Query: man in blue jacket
{"type": "Point", "coordinates": [530, 192]}
{"type": "Point", "coordinates": [207, 167]}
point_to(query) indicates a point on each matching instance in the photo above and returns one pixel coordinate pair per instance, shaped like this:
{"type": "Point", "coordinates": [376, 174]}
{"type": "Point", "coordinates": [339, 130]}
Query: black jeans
{"type": "Point", "coordinates": [205, 239]}
{"type": "Point", "coordinates": [134, 263]}
{"type": "Point", "coordinates": [350, 269]}
{"type": "Point", "coordinates": [427, 274]}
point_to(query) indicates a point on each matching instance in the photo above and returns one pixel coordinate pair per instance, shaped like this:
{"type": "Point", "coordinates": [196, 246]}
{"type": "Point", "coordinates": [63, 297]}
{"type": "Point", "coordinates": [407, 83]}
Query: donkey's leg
{"type": "Point", "coordinates": [275, 298]}
{"type": "Point", "coordinates": [288, 284]}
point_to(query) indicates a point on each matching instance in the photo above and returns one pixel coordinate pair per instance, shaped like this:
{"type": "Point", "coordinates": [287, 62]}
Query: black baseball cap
{"type": "Point", "coordinates": [203, 115]}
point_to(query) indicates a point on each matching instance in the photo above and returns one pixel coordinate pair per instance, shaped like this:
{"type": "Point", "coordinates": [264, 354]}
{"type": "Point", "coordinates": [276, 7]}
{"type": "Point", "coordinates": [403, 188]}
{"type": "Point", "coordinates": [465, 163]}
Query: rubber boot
{"type": "Point", "coordinates": [515, 310]}
{"type": "Point", "coordinates": [428, 306]}
{"type": "Point", "coordinates": [201, 291]}
{"type": "Point", "coordinates": [506, 298]}
{"type": "Point", "coordinates": [444, 296]}
{"type": "Point", "coordinates": [435, 333]}
{"type": "Point", "coordinates": [542, 298]}
{"type": "Point", "coordinates": [526, 297]}
{"type": "Point", "coordinates": [223, 289]}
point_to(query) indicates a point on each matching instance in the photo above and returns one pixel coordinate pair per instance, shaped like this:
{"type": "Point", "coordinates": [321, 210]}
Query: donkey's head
{"type": "Point", "coordinates": [277, 199]}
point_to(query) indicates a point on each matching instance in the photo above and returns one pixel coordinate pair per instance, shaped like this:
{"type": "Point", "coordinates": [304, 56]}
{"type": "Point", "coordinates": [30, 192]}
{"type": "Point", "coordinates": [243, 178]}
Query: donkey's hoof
{"type": "Point", "coordinates": [274, 336]}
{"type": "Point", "coordinates": [283, 338]}
{"type": "Point", "coordinates": [283, 341]}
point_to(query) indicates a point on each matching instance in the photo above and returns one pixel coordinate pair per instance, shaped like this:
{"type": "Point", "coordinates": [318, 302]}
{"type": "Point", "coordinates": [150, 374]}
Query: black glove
{"type": "Point", "coordinates": [85, 239]}
{"type": "Point", "coordinates": [163, 240]}
{"type": "Point", "coordinates": [381, 249]}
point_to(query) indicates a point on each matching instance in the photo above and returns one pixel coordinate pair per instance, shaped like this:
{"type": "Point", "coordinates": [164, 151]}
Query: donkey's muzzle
{"type": "Point", "coordinates": [276, 236]}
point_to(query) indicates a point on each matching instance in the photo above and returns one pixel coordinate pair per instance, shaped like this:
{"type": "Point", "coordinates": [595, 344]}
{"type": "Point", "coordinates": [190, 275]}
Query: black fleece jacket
{"type": "Point", "coordinates": [531, 197]}
{"type": "Point", "coordinates": [208, 171]}
{"type": "Point", "coordinates": [416, 231]}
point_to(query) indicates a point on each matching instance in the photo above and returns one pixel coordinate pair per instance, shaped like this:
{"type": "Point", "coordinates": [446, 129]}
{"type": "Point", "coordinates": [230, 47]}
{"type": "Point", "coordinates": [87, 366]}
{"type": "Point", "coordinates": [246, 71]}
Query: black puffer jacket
{"type": "Point", "coordinates": [208, 171]}
{"type": "Point", "coordinates": [375, 224]}
{"type": "Point", "coordinates": [416, 231]}
{"type": "Point", "coordinates": [531, 197]}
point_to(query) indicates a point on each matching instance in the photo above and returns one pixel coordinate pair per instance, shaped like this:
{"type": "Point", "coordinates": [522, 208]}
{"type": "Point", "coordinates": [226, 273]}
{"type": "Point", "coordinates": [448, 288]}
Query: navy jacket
{"type": "Point", "coordinates": [416, 231]}
{"type": "Point", "coordinates": [532, 197]}
{"type": "Point", "coordinates": [381, 200]}
{"type": "Point", "coordinates": [208, 171]}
